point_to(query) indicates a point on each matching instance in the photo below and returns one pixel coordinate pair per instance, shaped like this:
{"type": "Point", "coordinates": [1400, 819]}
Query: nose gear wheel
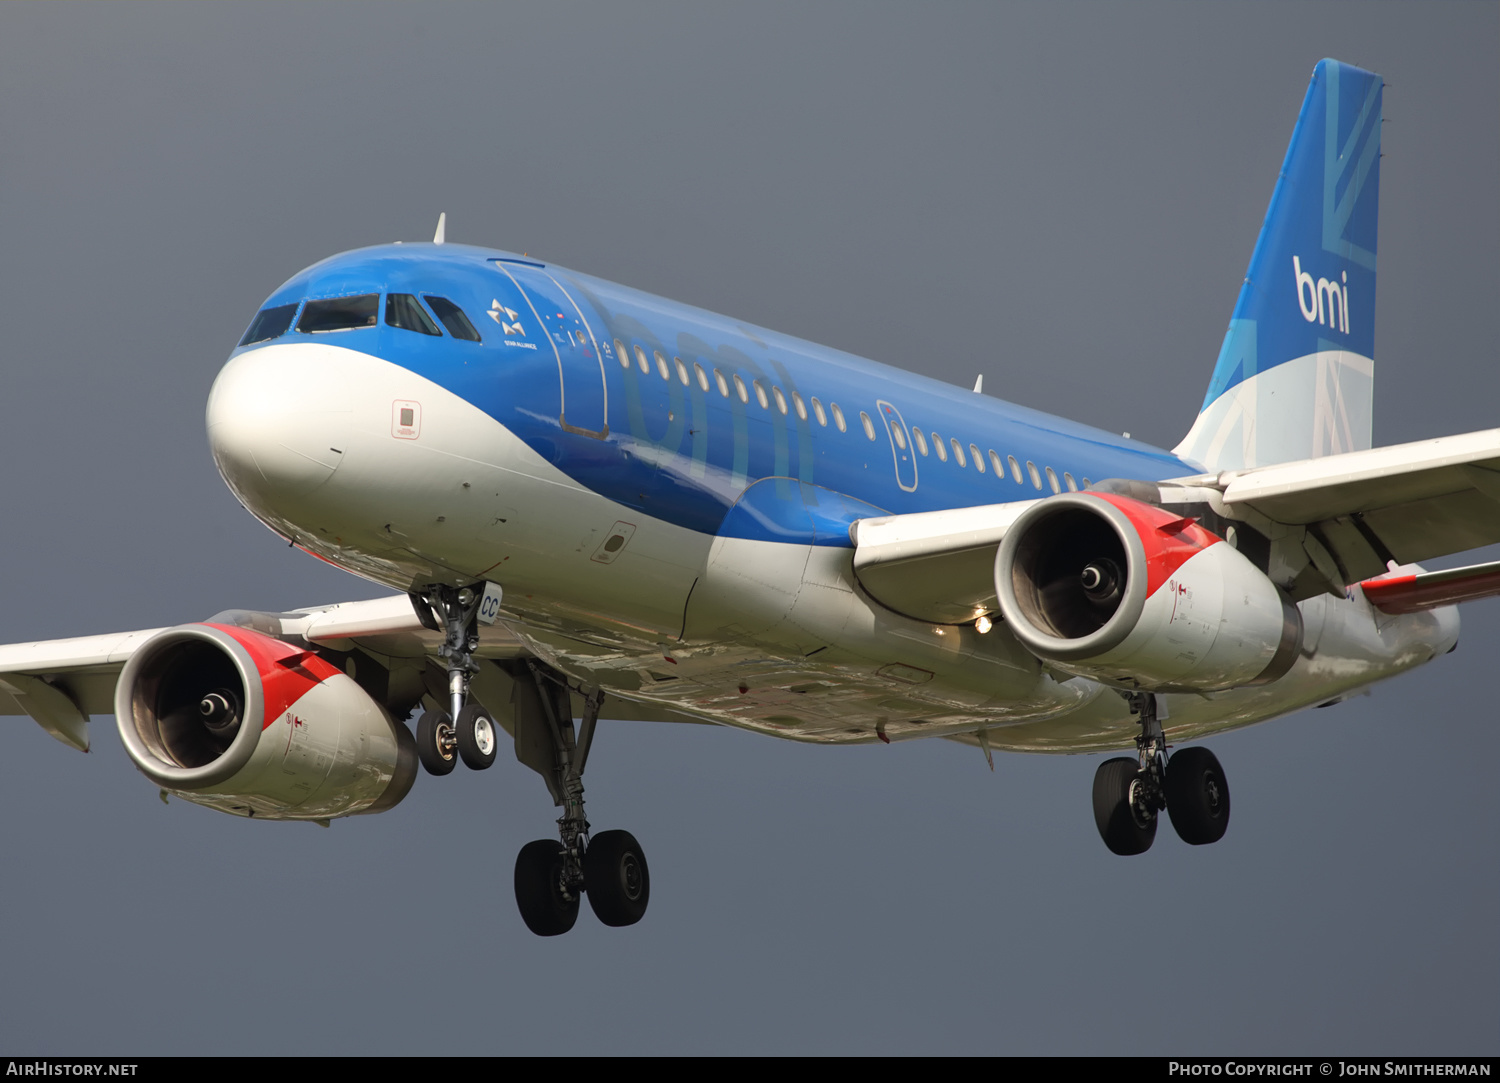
{"type": "Point", "coordinates": [475, 736]}
{"type": "Point", "coordinates": [436, 746]}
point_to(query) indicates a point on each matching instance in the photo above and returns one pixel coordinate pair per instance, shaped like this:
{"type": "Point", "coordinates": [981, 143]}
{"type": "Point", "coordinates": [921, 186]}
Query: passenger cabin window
{"type": "Point", "coordinates": [622, 353]}
{"type": "Point", "coordinates": [900, 438]}
{"type": "Point", "coordinates": [919, 440]}
{"type": "Point", "coordinates": [1072, 485]}
{"type": "Point", "coordinates": [682, 372]}
{"type": "Point", "coordinates": [760, 395]}
{"type": "Point", "coordinates": [800, 405]}
{"type": "Point", "coordinates": [978, 458]}
{"type": "Point", "coordinates": [452, 317]}
{"type": "Point", "coordinates": [1036, 475]}
{"type": "Point", "coordinates": [997, 464]}
{"type": "Point", "coordinates": [702, 376]}
{"type": "Point", "coordinates": [269, 323]}
{"type": "Point", "coordinates": [402, 310]}
{"type": "Point", "coordinates": [339, 314]}
{"type": "Point", "coordinates": [818, 412]}
{"type": "Point", "coordinates": [779, 397]}
{"type": "Point", "coordinates": [1015, 469]}
{"type": "Point", "coordinates": [661, 365]}
{"type": "Point", "coordinates": [838, 417]}
{"type": "Point", "coordinates": [869, 426]}
{"type": "Point", "coordinates": [958, 452]}
{"type": "Point", "coordinates": [723, 383]}
{"type": "Point", "coordinates": [1052, 480]}
{"type": "Point", "coordinates": [739, 388]}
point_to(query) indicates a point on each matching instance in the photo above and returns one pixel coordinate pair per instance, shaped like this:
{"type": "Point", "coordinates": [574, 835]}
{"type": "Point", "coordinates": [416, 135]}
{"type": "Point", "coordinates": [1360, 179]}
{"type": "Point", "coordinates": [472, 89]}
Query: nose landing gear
{"type": "Point", "coordinates": [1130, 794]}
{"type": "Point", "coordinates": [465, 731]}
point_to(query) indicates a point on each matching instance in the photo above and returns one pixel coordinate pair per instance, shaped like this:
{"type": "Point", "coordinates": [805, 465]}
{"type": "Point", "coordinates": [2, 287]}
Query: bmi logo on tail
{"type": "Point", "coordinates": [1311, 301]}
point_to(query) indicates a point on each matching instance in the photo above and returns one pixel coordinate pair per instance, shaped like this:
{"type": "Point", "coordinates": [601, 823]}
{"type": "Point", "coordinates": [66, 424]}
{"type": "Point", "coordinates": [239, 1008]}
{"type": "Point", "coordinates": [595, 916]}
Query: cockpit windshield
{"type": "Point", "coordinates": [269, 323]}
{"type": "Point", "coordinates": [339, 314]}
{"type": "Point", "coordinates": [453, 318]}
{"type": "Point", "coordinates": [403, 310]}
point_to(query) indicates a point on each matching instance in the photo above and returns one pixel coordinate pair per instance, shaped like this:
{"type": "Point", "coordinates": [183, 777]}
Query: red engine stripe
{"type": "Point", "coordinates": [1169, 540]}
{"type": "Point", "coordinates": [287, 673]}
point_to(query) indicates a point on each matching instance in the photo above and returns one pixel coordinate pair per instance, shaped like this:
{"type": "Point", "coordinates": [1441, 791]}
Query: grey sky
{"type": "Point", "coordinates": [1063, 197]}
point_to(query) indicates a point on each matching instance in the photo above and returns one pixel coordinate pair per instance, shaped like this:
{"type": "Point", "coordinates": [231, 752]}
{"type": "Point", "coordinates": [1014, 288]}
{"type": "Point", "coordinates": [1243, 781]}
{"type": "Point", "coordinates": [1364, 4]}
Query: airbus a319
{"type": "Point", "coordinates": [592, 502]}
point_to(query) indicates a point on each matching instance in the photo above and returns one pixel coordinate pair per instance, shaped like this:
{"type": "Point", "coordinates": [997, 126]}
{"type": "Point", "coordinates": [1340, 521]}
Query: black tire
{"type": "Point", "coordinates": [432, 726]}
{"type": "Point", "coordinates": [539, 896]}
{"type": "Point", "coordinates": [477, 740]}
{"type": "Point", "coordinates": [1118, 826]}
{"type": "Point", "coordinates": [1197, 796]}
{"type": "Point", "coordinates": [616, 878]}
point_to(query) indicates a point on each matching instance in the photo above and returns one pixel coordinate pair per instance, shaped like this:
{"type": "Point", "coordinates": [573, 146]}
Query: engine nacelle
{"type": "Point", "coordinates": [1130, 594]}
{"type": "Point", "coordinates": [244, 723]}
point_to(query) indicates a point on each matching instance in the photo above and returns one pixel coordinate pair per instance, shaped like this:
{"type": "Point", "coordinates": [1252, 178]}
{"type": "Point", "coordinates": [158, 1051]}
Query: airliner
{"type": "Point", "coordinates": [590, 502]}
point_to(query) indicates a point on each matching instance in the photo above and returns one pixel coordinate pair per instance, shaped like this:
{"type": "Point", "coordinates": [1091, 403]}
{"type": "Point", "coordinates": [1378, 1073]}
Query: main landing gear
{"type": "Point", "coordinates": [465, 731]}
{"type": "Point", "coordinates": [552, 876]}
{"type": "Point", "coordinates": [1130, 793]}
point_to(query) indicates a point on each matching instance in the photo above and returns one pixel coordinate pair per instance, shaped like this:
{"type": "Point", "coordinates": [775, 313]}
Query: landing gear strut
{"type": "Point", "coordinates": [551, 877]}
{"type": "Point", "coordinates": [1129, 795]}
{"type": "Point", "coordinates": [464, 731]}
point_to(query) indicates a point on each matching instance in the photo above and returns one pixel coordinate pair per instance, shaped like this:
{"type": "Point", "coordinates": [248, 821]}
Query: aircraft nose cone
{"type": "Point", "coordinates": [279, 419]}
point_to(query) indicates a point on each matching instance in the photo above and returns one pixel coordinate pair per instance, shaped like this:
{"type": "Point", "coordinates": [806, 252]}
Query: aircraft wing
{"type": "Point", "coordinates": [61, 682]}
{"type": "Point", "coordinates": [1325, 523]}
{"type": "Point", "coordinates": [1406, 503]}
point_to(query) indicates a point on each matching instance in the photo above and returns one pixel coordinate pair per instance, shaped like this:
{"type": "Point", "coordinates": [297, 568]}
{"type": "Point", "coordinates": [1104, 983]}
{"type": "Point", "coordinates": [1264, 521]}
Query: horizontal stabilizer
{"type": "Point", "coordinates": [1414, 591]}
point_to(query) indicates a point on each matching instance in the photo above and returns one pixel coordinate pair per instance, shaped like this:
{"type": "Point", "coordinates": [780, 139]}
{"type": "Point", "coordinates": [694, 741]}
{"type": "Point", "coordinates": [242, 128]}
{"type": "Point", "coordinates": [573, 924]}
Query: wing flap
{"type": "Point", "coordinates": [1312, 490]}
{"type": "Point", "coordinates": [936, 566]}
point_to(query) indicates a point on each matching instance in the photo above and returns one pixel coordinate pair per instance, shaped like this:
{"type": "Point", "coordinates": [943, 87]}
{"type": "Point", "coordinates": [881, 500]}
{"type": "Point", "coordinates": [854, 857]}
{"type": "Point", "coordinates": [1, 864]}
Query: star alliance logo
{"type": "Point", "coordinates": [499, 313]}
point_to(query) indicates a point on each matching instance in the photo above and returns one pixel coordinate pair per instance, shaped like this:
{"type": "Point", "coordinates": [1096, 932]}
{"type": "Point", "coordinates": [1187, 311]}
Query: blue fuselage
{"type": "Point", "coordinates": [676, 412]}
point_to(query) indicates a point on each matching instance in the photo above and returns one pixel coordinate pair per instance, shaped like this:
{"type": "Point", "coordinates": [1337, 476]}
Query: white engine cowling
{"type": "Point", "coordinates": [244, 723]}
{"type": "Point", "coordinates": [1130, 594]}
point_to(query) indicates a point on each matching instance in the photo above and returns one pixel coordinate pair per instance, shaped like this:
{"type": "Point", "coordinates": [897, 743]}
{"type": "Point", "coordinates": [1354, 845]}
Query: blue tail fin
{"type": "Point", "coordinates": [1296, 374]}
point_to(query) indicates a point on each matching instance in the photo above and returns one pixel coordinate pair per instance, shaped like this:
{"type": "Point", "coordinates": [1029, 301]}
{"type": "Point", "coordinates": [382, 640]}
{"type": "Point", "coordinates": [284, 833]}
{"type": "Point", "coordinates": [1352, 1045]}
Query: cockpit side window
{"type": "Point", "coordinates": [403, 311]}
{"type": "Point", "coordinates": [269, 323]}
{"type": "Point", "coordinates": [339, 314]}
{"type": "Point", "coordinates": [452, 317]}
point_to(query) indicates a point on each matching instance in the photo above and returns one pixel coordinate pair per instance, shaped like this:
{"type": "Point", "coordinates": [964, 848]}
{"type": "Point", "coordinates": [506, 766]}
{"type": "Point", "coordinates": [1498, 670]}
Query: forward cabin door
{"type": "Point", "coordinates": [559, 315]}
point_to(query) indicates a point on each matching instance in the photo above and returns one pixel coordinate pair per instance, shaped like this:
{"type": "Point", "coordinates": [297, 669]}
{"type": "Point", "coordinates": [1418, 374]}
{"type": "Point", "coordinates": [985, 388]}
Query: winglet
{"type": "Point", "coordinates": [441, 235]}
{"type": "Point", "coordinates": [979, 384]}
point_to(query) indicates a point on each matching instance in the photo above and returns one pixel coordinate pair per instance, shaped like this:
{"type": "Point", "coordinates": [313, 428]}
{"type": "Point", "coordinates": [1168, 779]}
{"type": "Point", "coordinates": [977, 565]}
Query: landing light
{"type": "Point", "coordinates": [982, 625]}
